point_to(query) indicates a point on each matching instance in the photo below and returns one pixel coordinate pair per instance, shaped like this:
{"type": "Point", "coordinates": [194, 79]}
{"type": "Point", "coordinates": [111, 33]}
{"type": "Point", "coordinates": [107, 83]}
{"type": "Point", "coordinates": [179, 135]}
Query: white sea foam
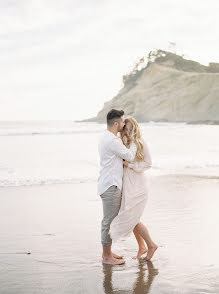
{"type": "Point", "coordinates": [47, 128]}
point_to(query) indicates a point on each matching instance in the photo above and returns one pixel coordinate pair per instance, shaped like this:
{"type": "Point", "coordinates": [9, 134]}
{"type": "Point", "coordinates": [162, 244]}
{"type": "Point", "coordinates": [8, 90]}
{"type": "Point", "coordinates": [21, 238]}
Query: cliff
{"type": "Point", "coordinates": [168, 88]}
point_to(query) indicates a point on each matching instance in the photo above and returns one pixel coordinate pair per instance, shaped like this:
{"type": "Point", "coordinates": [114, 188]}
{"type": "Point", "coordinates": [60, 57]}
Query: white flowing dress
{"type": "Point", "coordinates": [134, 197]}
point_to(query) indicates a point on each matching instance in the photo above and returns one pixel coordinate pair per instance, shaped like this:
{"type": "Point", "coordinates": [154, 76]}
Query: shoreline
{"type": "Point", "coordinates": [199, 122]}
{"type": "Point", "coordinates": [50, 234]}
{"type": "Point", "coordinates": [199, 176]}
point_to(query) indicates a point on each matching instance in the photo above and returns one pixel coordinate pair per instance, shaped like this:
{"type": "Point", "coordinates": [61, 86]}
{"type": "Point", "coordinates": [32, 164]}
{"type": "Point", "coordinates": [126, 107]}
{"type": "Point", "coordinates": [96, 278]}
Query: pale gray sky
{"type": "Point", "coordinates": [64, 59]}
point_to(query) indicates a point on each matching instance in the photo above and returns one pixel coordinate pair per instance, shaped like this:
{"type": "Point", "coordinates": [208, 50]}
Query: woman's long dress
{"type": "Point", "coordinates": [134, 197]}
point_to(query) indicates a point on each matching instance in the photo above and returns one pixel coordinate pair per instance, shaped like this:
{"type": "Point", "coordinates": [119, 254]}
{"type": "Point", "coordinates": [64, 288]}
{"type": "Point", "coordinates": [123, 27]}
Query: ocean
{"type": "Point", "coordinates": [47, 152]}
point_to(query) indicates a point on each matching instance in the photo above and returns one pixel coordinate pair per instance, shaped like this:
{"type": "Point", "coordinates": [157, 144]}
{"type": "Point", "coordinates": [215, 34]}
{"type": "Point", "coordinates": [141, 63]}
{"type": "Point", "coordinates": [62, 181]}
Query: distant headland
{"type": "Point", "coordinates": [166, 87]}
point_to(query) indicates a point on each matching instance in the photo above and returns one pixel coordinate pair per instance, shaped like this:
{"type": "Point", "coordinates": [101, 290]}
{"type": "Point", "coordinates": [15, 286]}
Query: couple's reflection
{"type": "Point", "coordinates": [145, 276]}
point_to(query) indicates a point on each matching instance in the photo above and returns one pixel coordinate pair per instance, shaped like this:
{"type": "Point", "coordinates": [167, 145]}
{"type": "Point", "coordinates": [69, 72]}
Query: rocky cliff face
{"type": "Point", "coordinates": [169, 88]}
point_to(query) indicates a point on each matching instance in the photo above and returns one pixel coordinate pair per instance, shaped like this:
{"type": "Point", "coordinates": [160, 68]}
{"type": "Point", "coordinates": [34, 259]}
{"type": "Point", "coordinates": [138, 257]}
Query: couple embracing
{"type": "Point", "coordinates": [122, 185]}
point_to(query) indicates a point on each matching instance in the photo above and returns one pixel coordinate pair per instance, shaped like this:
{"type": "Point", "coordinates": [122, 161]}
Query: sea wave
{"type": "Point", "coordinates": [46, 128]}
{"type": "Point", "coordinates": [4, 183]}
{"type": "Point", "coordinates": [8, 178]}
{"type": "Point", "coordinates": [45, 132]}
{"type": "Point", "coordinates": [39, 182]}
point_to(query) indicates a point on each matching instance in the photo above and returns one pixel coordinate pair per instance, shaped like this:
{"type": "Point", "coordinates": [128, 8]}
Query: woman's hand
{"type": "Point", "coordinates": [125, 163]}
{"type": "Point", "coordinates": [128, 140]}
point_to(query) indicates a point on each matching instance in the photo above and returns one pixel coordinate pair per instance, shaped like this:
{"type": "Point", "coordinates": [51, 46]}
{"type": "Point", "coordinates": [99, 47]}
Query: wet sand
{"type": "Point", "coordinates": [50, 240]}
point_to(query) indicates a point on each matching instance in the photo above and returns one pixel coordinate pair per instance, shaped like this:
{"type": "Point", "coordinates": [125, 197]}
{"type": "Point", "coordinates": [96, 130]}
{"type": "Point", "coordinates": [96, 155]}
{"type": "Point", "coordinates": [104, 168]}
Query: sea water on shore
{"type": "Point", "coordinates": [59, 226]}
{"type": "Point", "coordinates": [50, 212]}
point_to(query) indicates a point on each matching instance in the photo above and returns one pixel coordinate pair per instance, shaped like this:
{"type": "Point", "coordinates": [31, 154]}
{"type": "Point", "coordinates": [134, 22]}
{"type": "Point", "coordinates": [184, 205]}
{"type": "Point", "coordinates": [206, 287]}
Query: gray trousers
{"type": "Point", "coordinates": [111, 200]}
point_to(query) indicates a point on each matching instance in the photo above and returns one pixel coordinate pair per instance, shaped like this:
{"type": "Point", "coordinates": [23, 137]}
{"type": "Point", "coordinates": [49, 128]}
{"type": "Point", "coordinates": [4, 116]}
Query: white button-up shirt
{"type": "Point", "coordinates": [112, 152]}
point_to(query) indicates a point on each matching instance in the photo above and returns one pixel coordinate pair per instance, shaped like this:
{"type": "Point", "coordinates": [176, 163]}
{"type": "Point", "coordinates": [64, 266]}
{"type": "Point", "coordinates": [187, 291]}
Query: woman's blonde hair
{"type": "Point", "coordinates": [135, 136]}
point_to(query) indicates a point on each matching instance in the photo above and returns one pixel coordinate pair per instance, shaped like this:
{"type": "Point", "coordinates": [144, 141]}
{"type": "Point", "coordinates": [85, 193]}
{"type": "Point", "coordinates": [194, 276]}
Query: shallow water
{"type": "Point", "coordinates": [36, 153]}
{"type": "Point", "coordinates": [59, 225]}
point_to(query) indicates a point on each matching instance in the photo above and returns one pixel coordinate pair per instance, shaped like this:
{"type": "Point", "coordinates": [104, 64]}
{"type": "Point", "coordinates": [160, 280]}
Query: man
{"type": "Point", "coordinates": [112, 152]}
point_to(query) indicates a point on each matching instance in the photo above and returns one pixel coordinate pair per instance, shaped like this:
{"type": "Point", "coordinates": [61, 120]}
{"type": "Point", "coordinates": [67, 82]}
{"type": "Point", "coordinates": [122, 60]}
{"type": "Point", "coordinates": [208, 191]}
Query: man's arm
{"type": "Point", "coordinates": [120, 150]}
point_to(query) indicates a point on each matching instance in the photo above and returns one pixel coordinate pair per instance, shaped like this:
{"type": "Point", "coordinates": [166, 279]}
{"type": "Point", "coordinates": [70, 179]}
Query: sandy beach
{"type": "Point", "coordinates": [50, 240]}
{"type": "Point", "coordinates": [64, 66]}
{"type": "Point", "coordinates": [50, 213]}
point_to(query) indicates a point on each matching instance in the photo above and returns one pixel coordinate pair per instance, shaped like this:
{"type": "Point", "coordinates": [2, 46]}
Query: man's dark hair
{"type": "Point", "coordinates": [114, 115]}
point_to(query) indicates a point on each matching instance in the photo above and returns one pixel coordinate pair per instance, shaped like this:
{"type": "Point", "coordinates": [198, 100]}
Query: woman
{"type": "Point", "coordinates": [134, 193]}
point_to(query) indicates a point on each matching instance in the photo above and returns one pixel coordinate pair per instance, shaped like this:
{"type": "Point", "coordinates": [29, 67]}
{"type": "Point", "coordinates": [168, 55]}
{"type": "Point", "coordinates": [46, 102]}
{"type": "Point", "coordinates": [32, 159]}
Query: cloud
{"type": "Point", "coordinates": [79, 50]}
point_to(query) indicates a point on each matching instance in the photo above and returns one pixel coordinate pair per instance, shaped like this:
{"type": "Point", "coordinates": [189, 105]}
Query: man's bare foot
{"type": "Point", "coordinates": [151, 251]}
{"type": "Point", "coordinates": [113, 261]}
{"type": "Point", "coordinates": [141, 251]}
{"type": "Point", "coordinates": [115, 256]}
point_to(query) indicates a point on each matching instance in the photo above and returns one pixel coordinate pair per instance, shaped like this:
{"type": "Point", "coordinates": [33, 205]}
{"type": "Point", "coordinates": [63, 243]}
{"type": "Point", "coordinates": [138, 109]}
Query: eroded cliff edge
{"type": "Point", "coordinates": [168, 88]}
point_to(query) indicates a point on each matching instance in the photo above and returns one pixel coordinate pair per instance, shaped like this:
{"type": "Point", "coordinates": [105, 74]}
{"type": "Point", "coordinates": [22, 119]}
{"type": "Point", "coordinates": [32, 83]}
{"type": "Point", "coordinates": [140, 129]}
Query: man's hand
{"type": "Point", "coordinates": [125, 163]}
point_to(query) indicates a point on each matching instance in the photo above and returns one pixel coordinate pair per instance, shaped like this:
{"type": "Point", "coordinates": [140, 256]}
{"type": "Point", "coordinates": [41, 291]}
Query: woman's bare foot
{"type": "Point", "coordinates": [141, 251]}
{"type": "Point", "coordinates": [115, 256]}
{"type": "Point", "coordinates": [151, 251]}
{"type": "Point", "coordinates": [113, 261]}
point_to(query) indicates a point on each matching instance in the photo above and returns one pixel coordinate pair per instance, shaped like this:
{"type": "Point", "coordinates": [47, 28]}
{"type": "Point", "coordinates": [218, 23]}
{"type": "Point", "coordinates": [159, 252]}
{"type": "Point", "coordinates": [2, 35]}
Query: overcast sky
{"type": "Point", "coordinates": [64, 59]}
